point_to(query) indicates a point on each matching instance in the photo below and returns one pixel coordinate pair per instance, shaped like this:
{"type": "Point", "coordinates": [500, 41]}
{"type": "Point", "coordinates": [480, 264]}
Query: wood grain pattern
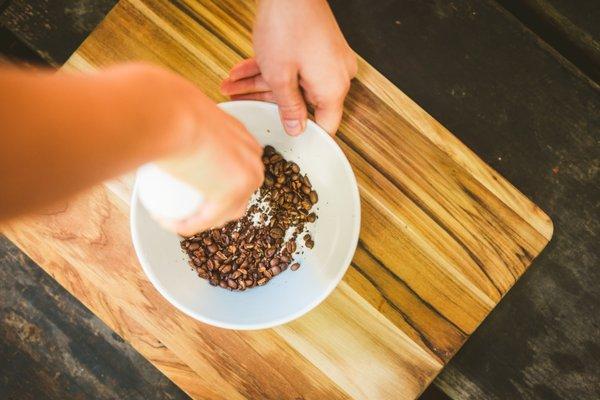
{"type": "Point", "coordinates": [444, 237]}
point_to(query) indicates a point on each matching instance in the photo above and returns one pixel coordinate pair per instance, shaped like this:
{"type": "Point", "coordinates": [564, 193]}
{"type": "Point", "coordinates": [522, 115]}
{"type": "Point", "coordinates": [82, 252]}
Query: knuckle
{"type": "Point", "coordinates": [292, 107]}
{"type": "Point", "coordinates": [280, 80]}
{"type": "Point", "coordinates": [352, 65]}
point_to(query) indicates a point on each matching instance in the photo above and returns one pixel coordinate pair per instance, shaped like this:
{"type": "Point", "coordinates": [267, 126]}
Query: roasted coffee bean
{"type": "Point", "coordinates": [310, 244]}
{"type": "Point", "coordinates": [262, 281]}
{"type": "Point", "coordinates": [307, 181]}
{"type": "Point", "coordinates": [223, 284]}
{"type": "Point", "coordinates": [231, 283]}
{"type": "Point", "coordinates": [275, 270]}
{"type": "Point", "coordinates": [274, 262]}
{"type": "Point", "coordinates": [225, 269]}
{"type": "Point", "coordinates": [212, 248]}
{"type": "Point", "coordinates": [295, 266]}
{"type": "Point", "coordinates": [194, 246]}
{"type": "Point", "coordinates": [235, 274]}
{"type": "Point", "coordinates": [291, 246]}
{"type": "Point", "coordinates": [202, 273]}
{"type": "Point", "coordinates": [312, 217]}
{"type": "Point", "coordinates": [276, 233]}
{"type": "Point", "coordinates": [314, 198]}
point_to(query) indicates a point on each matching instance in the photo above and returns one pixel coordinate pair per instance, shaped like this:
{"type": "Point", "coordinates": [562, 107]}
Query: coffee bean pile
{"type": "Point", "coordinates": [253, 250]}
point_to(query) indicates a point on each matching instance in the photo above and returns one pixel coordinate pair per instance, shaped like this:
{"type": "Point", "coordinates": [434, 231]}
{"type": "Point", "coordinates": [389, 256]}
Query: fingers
{"type": "Point", "coordinates": [210, 215]}
{"type": "Point", "coordinates": [252, 84]}
{"type": "Point", "coordinates": [292, 108]}
{"type": "Point", "coordinates": [261, 96]}
{"type": "Point", "coordinates": [329, 115]}
{"type": "Point", "coordinates": [244, 69]}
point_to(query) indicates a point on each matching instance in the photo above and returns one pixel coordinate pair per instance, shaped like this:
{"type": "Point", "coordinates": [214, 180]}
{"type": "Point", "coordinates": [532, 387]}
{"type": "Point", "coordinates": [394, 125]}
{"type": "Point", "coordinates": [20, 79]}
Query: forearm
{"type": "Point", "coordinates": [60, 133]}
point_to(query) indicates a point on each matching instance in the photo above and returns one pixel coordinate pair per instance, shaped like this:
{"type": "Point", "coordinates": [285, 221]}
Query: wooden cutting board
{"type": "Point", "coordinates": [443, 237]}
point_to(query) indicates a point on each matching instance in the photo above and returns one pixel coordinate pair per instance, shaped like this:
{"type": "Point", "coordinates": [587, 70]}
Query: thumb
{"type": "Point", "coordinates": [292, 108]}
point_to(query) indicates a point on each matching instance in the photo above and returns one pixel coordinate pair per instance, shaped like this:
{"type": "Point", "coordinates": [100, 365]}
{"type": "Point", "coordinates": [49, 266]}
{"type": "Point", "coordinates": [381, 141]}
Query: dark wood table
{"type": "Point", "coordinates": [516, 80]}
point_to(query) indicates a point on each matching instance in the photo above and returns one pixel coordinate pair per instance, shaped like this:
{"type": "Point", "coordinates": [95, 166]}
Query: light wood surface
{"type": "Point", "coordinates": [443, 237]}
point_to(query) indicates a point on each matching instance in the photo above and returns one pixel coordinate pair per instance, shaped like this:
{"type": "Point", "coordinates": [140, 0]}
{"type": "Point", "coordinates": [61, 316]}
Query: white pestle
{"type": "Point", "coordinates": [165, 196]}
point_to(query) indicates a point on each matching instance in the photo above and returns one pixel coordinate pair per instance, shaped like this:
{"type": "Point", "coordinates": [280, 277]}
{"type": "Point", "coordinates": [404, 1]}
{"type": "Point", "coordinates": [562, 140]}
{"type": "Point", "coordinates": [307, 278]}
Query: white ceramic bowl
{"type": "Point", "coordinates": [292, 293]}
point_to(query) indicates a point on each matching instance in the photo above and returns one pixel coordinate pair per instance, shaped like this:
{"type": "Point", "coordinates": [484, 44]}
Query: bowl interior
{"type": "Point", "coordinates": [292, 293]}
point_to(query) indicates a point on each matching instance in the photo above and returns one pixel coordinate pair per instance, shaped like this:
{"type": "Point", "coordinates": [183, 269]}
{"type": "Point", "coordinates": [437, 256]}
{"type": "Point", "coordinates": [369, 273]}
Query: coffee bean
{"type": "Point", "coordinates": [231, 283]}
{"type": "Point", "coordinates": [275, 270]}
{"type": "Point", "coordinates": [291, 246]}
{"type": "Point", "coordinates": [262, 281]}
{"type": "Point", "coordinates": [202, 273]}
{"type": "Point", "coordinates": [212, 248]}
{"type": "Point", "coordinates": [274, 262]}
{"type": "Point", "coordinates": [194, 246]}
{"type": "Point", "coordinates": [295, 266]}
{"type": "Point", "coordinates": [225, 269]}
{"type": "Point", "coordinates": [210, 264]}
{"type": "Point", "coordinates": [269, 150]}
{"type": "Point", "coordinates": [276, 233]}
{"type": "Point", "coordinates": [307, 181]}
{"type": "Point", "coordinates": [314, 198]}
{"type": "Point", "coordinates": [310, 244]}
{"type": "Point", "coordinates": [223, 284]}
{"type": "Point", "coordinates": [312, 217]}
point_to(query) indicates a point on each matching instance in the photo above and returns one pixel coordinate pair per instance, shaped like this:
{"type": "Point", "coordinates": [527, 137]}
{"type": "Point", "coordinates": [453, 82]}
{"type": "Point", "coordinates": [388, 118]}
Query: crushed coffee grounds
{"type": "Point", "coordinates": [253, 250]}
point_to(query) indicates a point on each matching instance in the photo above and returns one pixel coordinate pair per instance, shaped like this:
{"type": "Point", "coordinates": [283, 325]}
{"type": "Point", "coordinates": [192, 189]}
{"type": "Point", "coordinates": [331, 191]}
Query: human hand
{"type": "Point", "coordinates": [301, 57]}
{"type": "Point", "coordinates": [226, 168]}
{"type": "Point", "coordinates": [208, 149]}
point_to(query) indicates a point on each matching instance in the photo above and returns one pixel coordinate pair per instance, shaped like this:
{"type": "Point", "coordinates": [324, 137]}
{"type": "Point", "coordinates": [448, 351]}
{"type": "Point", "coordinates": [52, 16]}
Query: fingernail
{"type": "Point", "coordinates": [293, 126]}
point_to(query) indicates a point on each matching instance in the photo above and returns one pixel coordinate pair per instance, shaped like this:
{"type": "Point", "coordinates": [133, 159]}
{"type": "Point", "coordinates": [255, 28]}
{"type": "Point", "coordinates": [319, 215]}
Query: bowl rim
{"type": "Point", "coordinates": [277, 321]}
